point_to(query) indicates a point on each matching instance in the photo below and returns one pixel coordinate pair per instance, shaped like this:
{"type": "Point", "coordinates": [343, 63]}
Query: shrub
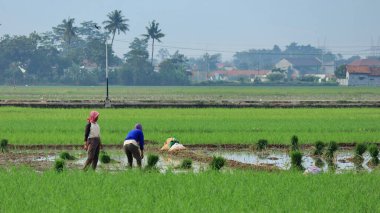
{"type": "Point", "coordinates": [66, 156]}
{"type": "Point", "coordinates": [186, 164]}
{"type": "Point", "coordinates": [319, 146]}
{"type": "Point", "coordinates": [59, 165]}
{"type": "Point", "coordinates": [104, 157]}
{"type": "Point", "coordinates": [261, 144]}
{"type": "Point", "coordinates": [152, 160]}
{"type": "Point", "coordinates": [296, 160]}
{"type": "Point", "coordinates": [360, 148]}
{"type": "Point", "coordinates": [217, 163]}
{"type": "Point", "coordinates": [331, 148]}
{"type": "Point", "coordinates": [319, 162]}
{"type": "Point", "coordinates": [4, 145]}
{"type": "Point", "coordinates": [294, 141]}
{"type": "Point", "coordinates": [374, 152]}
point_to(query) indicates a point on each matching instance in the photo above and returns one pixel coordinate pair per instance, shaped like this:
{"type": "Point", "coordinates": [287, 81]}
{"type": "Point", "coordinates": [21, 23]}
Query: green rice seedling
{"type": "Point", "coordinates": [319, 146]}
{"type": "Point", "coordinates": [208, 122]}
{"type": "Point", "coordinates": [296, 160]}
{"type": "Point", "coordinates": [261, 144]}
{"type": "Point", "coordinates": [217, 163]}
{"type": "Point", "coordinates": [319, 162]}
{"type": "Point", "coordinates": [360, 148]}
{"type": "Point", "coordinates": [331, 149]}
{"type": "Point", "coordinates": [331, 165]}
{"type": "Point", "coordinates": [104, 157]}
{"type": "Point", "coordinates": [4, 145]}
{"type": "Point", "coordinates": [152, 160]}
{"type": "Point", "coordinates": [186, 164]}
{"type": "Point", "coordinates": [59, 165]}
{"type": "Point", "coordinates": [294, 143]}
{"type": "Point", "coordinates": [374, 152]}
{"type": "Point", "coordinates": [66, 156]}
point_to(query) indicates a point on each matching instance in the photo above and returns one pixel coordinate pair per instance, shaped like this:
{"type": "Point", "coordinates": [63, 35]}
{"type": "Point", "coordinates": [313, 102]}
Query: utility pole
{"type": "Point", "coordinates": [107, 102]}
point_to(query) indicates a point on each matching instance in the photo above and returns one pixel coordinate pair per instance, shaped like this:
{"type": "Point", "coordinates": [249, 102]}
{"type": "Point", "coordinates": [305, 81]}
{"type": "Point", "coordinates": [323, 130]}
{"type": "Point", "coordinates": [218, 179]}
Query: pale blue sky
{"type": "Point", "coordinates": [227, 26]}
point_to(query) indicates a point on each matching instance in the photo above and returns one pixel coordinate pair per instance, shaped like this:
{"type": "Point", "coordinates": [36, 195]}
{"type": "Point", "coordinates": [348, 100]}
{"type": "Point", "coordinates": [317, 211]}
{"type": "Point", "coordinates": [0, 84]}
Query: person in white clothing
{"type": "Point", "coordinates": [92, 143]}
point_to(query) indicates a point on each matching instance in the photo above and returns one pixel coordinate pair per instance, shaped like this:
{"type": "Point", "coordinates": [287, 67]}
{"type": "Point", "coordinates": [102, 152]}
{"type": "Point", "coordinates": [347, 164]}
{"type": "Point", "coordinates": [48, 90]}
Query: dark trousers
{"type": "Point", "coordinates": [93, 153]}
{"type": "Point", "coordinates": [132, 151]}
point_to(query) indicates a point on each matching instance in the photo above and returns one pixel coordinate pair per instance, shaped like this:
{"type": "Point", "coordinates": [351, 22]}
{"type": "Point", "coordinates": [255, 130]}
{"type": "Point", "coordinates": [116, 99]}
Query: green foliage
{"type": "Point", "coordinates": [319, 162]}
{"type": "Point", "coordinates": [340, 72]}
{"type": "Point", "coordinates": [217, 163]}
{"type": "Point", "coordinates": [296, 160]}
{"type": "Point", "coordinates": [66, 156]}
{"type": "Point", "coordinates": [173, 70]}
{"type": "Point", "coordinates": [275, 76]}
{"type": "Point", "coordinates": [251, 190]}
{"type": "Point", "coordinates": [4, 145]}
{"type": "Point", "coordinates": [261, 144]}
{"type": "Point", "coordinates": [59, 165]}
{"type": "Point", "coordinates": [186, 164]}
{"type": "Point", "coordinates": [309, 78]}
{"type": "Point", "coordinates": [104, 157]}
{"type": "Point", "coordinates": [360, 148]}
{"type": "Point", "coordinates": [154, 33]}
{"type": "Point", "coordinates": [152, 160]}
{"type": "Point", "coordinates": [319, 146]}
{"type": "Point", "coordinates": [294, 143]}
{"type": "Point", "coordinates": [116, 23]}
{"type": "Point", "coordinates": [214, 124]}
{"type": "Point", "coordinates": [331, 148]}
{"type": "Point", "coordinates": [374, 152]}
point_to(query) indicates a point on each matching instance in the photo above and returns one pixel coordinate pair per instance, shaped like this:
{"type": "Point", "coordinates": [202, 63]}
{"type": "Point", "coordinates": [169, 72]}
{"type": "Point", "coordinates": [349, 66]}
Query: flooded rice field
{"type": "Point", "coordinates": [269, 160]}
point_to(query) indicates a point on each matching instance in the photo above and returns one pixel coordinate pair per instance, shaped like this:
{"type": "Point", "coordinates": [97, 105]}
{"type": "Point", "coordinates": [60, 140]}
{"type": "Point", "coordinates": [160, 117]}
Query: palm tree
{"type": "Point", "coordinates": [67, 30]}
{"type": "Point", "coordinates": [116, 22]}
{"type": "Point", "coordinates": [154, 33]}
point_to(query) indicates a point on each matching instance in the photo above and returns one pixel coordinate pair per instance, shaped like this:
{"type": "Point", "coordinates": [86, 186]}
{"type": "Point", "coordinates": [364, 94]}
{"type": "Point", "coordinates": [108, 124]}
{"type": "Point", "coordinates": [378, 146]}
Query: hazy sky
{"type": "Point", "coordinates": [224, 26]}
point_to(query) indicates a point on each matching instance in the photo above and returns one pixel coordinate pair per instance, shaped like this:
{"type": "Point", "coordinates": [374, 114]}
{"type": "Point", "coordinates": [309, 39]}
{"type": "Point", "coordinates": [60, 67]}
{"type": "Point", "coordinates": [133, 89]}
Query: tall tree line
{"type": "Point", "coordinates": [75, 54]}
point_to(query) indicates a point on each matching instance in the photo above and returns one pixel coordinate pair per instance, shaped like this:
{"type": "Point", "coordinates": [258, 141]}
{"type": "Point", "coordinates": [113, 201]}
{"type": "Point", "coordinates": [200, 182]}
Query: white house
{"type": "Point", "coordinates": [363, 72]}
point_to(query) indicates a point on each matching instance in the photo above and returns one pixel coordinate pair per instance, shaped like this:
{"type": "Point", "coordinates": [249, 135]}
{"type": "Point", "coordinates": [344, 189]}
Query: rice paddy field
{"type": "Point", "coordinates": [23, 190]}
{"type": "Point", "coordinates": [194, 126]}
{"type": "Point", "coordinates": [24, 186]}
{"type": "Point", "coordinates": [190, 93]}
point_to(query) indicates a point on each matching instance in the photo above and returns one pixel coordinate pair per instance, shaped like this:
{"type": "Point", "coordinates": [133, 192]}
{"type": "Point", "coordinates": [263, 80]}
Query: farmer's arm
{"type": "Point", "coordinates": [87, 131]}
{"type": "Point", "coordinates": [86, 134]}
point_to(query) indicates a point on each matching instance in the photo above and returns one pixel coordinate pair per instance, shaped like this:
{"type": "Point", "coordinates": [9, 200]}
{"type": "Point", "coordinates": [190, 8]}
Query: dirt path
{"type": "Point", "coordinates": [192, 104]}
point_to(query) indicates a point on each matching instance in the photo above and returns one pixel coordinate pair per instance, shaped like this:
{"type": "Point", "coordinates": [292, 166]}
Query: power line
{"type": "Point", "coordinates": [345, 52]}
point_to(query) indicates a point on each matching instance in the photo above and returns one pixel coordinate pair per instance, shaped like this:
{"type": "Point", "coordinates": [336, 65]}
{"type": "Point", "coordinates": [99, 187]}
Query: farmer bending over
{"type": "Point", "coordinates": [134, 145]}
{"type": "Point", "coordinates": [92, 142]}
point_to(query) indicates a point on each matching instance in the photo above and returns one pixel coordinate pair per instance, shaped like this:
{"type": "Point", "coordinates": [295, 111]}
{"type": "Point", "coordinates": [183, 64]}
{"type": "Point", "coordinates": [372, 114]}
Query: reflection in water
{"type": "Point", "coordinates": [340, 163]}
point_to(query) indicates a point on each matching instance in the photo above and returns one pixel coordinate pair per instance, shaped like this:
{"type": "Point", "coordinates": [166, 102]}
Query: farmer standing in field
{"type": "Point", "coordinates": [134, 145]}
{"type": "Point", "coordinates": [92, 143]}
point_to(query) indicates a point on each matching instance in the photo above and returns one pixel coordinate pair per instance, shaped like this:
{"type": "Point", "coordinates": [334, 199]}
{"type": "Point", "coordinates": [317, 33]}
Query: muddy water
{"type": "Point", "coordinates": [119, 162]}
{"type": "Point", "coordinates": [276, 158]}
{"type": "Point", "coordinates": [342, 161]}
{"type": "Point", "coordinates": [165, 163]}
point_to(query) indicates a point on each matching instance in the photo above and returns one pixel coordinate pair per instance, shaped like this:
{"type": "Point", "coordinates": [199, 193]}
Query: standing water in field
{"type": "Point", "coordinates": [281, 160]}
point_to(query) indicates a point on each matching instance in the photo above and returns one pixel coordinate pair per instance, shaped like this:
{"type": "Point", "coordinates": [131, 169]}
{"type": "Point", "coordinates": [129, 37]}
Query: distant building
{"type": "Point", "coordinates": [198, 76]}
{"type": "Point", "coordinates": [363, 72]}
{"type": "Point", "coordinates": [300, 66]}
{"type": "Point", "coordinates": [236, 75]}
{"type": "Point", "coordinates": [328, 67]}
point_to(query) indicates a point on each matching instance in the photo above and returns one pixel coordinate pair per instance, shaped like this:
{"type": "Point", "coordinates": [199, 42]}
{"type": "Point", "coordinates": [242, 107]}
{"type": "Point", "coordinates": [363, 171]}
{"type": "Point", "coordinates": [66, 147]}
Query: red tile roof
{"type": "Point", "coordinates": [366, 62]}
{"type": "Point", "coordinates": [365, 66]}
